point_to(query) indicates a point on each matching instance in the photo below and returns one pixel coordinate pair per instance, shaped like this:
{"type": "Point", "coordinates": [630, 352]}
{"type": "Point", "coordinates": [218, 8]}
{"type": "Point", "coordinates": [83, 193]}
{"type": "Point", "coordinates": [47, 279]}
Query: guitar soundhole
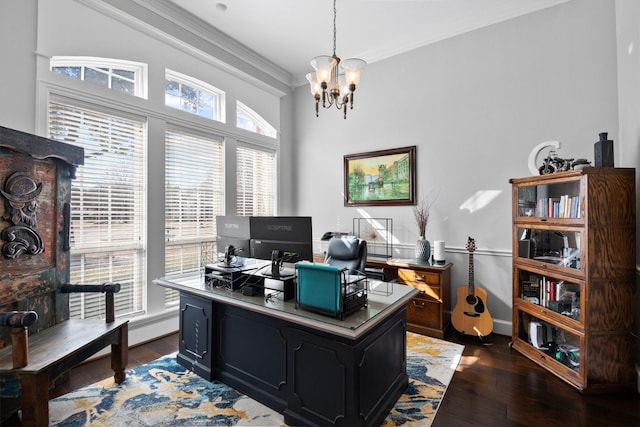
{"type": "Point", "coordinates": [476, 303]}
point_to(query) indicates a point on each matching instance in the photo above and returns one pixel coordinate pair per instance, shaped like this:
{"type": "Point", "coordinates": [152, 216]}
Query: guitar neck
{"type": "Point", "coordinates": [471, 279]}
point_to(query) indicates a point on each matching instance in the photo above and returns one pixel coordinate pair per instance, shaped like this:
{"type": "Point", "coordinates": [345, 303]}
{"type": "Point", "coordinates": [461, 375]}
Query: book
{"type": "Point", "coordinates": [565, 206]}
{"type": "Point", "coordinates": [531, 291]}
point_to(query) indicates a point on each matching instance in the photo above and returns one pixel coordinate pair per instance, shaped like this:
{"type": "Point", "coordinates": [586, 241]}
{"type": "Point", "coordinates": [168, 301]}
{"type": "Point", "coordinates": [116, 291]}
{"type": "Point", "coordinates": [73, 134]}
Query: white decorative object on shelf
{"type": "Point", "coordinates": [438, 251]}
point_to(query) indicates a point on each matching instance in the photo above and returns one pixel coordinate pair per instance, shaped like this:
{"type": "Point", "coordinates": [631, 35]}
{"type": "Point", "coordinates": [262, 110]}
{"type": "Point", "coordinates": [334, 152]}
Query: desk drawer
{"type": "Point", "coordinates": [424, 312]}
{"type": "Point", "coordinates": [427, 283]}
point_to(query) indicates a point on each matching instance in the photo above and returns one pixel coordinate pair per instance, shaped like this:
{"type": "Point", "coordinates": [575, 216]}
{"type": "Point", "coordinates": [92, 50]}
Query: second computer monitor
{"type": "Point", "coordinates": [292, 236]}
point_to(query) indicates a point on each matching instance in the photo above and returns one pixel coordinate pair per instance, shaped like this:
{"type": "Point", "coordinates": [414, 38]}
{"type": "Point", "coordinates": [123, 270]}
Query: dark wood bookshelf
{"type": "Point", "coordinates": [575, 232]}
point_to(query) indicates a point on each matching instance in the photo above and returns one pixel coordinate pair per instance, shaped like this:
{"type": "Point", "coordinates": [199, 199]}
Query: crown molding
{"type": "Point", "coordinates": [171, 24]}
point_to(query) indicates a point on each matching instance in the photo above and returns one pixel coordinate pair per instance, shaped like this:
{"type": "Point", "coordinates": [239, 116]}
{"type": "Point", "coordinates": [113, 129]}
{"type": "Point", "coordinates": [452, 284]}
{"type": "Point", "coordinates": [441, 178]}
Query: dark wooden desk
{"type": "Point", "coordinates": [314, 369]}
{"type": "Point", "coordinates": [429, 312]}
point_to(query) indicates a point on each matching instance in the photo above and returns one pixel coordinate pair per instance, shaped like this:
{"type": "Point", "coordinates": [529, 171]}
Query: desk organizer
{"type": "Point", "coordinates": [329, 290]}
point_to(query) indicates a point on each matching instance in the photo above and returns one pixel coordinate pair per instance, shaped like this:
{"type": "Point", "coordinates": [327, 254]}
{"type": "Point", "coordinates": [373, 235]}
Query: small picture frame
{"type": "Point", "coordinates": [380, 178]}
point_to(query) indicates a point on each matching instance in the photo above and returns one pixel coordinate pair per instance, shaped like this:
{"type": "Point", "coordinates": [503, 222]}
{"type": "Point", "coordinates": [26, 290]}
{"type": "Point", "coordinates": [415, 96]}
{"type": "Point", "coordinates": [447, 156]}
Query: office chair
{"type": "Point", "coordinates": [347, 251]}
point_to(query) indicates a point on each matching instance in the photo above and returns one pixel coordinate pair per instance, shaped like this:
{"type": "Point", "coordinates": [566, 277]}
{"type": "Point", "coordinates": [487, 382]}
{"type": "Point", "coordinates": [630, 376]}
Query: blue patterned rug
{"type": "Point", "coordinates": [163, 393]}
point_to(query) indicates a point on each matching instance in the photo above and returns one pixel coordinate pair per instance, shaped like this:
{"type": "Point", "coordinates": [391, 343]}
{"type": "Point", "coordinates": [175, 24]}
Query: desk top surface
{"type": "Point", "coordinates": [383, 300]}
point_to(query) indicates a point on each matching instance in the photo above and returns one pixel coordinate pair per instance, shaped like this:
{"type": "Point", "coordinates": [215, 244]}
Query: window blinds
{"type": "Point", "coordinates": [194, 195]}
{"type": "Point", "coordinates": [107, 206]}
{"type": "Point", "coordinates": [256, 185]}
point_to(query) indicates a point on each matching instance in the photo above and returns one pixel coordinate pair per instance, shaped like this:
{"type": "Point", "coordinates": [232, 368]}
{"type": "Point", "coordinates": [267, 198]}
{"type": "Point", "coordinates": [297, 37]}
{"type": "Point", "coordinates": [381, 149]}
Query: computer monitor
{"type": "Point", "coordinates": [289, 234]}
{"type": "Point", "coordinates": [281, 240]}
{"type": "Point", "coordinates": [233, 239]}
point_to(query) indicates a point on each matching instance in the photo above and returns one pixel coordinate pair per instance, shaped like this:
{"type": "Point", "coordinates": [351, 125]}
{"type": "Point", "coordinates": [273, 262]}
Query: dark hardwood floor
{"type": "Point", "coordinates": [497, 386]}
{"type": "Point", "coordinates": [493, 386]}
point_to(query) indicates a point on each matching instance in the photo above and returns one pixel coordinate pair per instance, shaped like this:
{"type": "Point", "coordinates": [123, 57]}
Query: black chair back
{"type": "Point", "coordinates": [347, 251]}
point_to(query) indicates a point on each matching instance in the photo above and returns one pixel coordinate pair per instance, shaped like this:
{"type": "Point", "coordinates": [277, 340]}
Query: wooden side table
{"type": "Point", "coordinates": [429, 312]}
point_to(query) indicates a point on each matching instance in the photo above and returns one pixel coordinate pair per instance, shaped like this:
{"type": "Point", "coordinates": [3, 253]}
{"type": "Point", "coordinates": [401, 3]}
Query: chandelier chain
{"type": "Point", "coordinates": [334, 27]}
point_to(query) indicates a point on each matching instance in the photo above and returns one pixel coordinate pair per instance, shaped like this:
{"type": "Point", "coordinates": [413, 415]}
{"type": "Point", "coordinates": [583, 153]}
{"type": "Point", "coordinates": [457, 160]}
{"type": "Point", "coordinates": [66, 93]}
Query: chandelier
{"type": "Point", "coordinates": [334, 81]}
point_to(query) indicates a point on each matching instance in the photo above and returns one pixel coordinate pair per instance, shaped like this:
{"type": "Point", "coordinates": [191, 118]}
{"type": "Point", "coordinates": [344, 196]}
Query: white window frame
{"type": "Point", "coordinates": [140, 70]}
{"type": "Point", "coordinates": [218, 95]}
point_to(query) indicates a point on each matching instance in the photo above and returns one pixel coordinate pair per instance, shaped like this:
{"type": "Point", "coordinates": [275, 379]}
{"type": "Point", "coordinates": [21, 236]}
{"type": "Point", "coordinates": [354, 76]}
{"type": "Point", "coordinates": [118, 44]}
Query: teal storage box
{"type": "Point", "coordinates": [328, 289]}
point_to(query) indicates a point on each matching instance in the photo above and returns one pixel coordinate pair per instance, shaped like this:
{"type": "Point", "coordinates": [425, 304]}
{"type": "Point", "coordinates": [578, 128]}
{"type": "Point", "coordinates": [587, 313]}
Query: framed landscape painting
{"type": "Point", "coordinates": [380, 178]}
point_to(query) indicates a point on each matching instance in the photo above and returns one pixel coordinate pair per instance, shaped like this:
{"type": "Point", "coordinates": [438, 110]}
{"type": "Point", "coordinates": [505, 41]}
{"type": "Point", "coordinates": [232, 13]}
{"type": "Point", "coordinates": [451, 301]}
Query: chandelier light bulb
{"type": "Point", "coordinates": [352, 68]}
{"type": "Point", "coordinates": [313, 84]}
{"type": "Point", "coordinates": [323, 66]}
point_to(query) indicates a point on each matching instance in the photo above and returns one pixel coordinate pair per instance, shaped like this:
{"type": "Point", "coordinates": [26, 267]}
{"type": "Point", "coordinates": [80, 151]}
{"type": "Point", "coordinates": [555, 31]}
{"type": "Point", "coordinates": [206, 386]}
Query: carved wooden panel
{"type": "Point", "coordinates": [23, 260]}
{"type": "Point", "coordinates": [35, 192]}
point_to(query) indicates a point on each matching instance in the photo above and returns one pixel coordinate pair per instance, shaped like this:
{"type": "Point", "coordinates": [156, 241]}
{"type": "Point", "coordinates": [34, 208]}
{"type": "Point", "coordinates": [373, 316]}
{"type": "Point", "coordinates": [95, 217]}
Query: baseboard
{"type": "Point", "coordinates": [150, 327]}
{"type": "Point", "coordinates": [502, 327]}
{"type": "Point", "coordinates": [147, 328]}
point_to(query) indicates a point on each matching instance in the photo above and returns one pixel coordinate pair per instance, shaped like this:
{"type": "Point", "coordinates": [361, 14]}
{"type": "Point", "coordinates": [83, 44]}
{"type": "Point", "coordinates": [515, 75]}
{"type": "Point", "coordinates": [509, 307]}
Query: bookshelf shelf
{"type": "Point", "coordinates": [573, 275]}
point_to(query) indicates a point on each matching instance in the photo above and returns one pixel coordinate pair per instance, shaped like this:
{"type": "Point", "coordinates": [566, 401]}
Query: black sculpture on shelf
{"type": "Point", "coordinates": [553, 163]}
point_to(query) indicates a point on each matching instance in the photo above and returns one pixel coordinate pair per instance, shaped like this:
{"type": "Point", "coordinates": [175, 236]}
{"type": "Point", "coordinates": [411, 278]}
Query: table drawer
{"type": "Point", "coordinates": [427, 283]}
{"type": "Point", "coordinates": [409, 276]}
{"type": "Point", "coordinates": [424, 312]}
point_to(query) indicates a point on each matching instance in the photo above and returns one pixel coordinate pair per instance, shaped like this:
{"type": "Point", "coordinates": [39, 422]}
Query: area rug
{"type": "Point", "coordinates": [163, 393]}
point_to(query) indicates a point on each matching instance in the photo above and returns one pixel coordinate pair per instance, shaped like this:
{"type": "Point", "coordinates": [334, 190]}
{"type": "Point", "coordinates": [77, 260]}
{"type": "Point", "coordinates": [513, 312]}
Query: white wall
{"type": "Point", "coordinates": [628, 51]}
{"type": "Point", "coordinates": [18, 71]}
{"type": "Point", "coordinates": [474, 105]}
{"type": "Point", "coordinates": [628, 33]}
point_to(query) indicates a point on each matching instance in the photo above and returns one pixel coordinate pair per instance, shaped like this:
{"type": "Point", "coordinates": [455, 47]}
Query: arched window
{"type": "Point", "coordinates": [122, 76]}
{"type": "Point", "coordinates": [249, 120]}
{"type": "Point", "coordinates": [193, 96]}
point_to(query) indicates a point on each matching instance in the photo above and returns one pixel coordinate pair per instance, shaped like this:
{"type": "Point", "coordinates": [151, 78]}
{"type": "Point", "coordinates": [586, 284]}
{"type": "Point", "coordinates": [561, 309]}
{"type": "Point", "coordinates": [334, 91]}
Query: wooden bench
{"type": "Point", "coordinates": [39, 359]}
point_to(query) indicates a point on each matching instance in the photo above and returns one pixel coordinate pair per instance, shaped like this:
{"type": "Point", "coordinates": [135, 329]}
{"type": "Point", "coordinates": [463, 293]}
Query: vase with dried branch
{"type": "Point", "coordinates": [421, 214]}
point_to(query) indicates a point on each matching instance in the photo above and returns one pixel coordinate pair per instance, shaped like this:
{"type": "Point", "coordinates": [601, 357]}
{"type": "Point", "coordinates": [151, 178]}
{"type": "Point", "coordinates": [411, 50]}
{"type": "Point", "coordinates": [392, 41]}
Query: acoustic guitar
{"type": "Point", "coordinates": [470, 315]}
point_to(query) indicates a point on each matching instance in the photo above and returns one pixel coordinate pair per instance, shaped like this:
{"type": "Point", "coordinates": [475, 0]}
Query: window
{"type": "Point", "coordinates": [194, 195]}
{"type": "Point", "coordinates": [256, 185]}
{"type": "Point", "coordinates": [122, 76]}
{"type": "Point", "coordinates": [108, 206]}
{"type": "Point", "coordinates": [193, 96]}
{"type": "Point", "coordinates": [249, 120]}
{"type": "Point", "coordinates": [114, 189]}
